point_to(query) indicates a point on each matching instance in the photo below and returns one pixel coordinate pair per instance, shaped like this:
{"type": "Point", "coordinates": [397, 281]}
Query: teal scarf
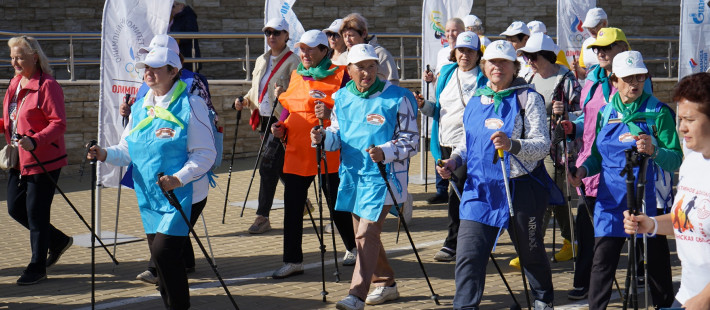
{"type": "Point", "coordinates": [318, 72]}
{"type": "Point", "coordinates": [598, 78]}
{"type": "Point", "coordinates": [497, 96]}
{"type": "Point", "coordinates": [374, 88]}
{"type": "Point", "coordinates": [631, 113]}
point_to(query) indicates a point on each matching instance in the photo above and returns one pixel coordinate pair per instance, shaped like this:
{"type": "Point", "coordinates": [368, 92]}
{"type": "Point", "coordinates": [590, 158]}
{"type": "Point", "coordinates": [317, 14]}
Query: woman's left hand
{"type": "Point", "coordinates": [644, 144]}
{"type": "Point", "coordinates": [169, 182]}
{"type": "Point", "coordinates": [500, 141]}
{"type": "Point", "coordinates": [376, 154]}
{"type": "Point", "coordinates": [26, 144]}
{"type": "Point", "coordinates": [700, 301]}
{"type": "Point", "coordinates": [558, 108]}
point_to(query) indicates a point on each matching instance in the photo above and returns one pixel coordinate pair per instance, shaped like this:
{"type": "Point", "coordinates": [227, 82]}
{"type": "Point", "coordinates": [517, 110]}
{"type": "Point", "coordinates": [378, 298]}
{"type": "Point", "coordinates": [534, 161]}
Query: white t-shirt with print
{"type": "Point", "coordinates": [451, 131]}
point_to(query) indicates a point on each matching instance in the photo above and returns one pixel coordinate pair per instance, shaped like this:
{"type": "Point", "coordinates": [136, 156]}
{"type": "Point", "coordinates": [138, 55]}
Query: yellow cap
{"type": "Point", "coordinates": [607, 36]}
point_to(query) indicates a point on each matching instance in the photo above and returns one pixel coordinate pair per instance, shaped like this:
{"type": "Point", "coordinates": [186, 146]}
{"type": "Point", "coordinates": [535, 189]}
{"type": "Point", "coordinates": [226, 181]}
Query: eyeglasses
{"type": "Point", "coordinates": [334, 35]}
{"type": "Point", "coordinates": [269, 32]}
{"type": "Point", "coordinates": [530, 56]}
{"type": "Point", "coordinates": [604, 49]}
{"type": "Point", "coordinates": [636, 77]}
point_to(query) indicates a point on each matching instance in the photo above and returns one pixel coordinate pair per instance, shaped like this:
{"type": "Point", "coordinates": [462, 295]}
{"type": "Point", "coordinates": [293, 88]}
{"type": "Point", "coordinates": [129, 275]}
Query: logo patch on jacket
{"type": "Point", "coordinates": [317, 94]}
{"type": "Point", "coordinates": [626, 137]}
{"type": "Point", "coordinates": [493, 123]}
{"type": "Point", "coordinates": [375, 119]}
{"type": "Point", "coordinates": [165, 133]}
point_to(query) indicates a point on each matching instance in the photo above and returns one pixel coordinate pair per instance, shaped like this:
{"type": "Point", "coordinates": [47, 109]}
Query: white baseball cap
{"type": "Point", "coordinates": [628, 63]}
{"type": "Point", "coordinates": [500, 49]}
{"type": "Point", "coordinates": [537, 26]}
{"type": "Point", "coordinates": [313, 38]}
{"type": "Point", "coordinates": [362, 52]}
{"type": "Point", "coordinates": [159, 57]}
{"type": "Point", "coordinates": [468, 39]}
{"type": "Point", "coordinates": [472, 21]}
{"type": "Point", "coordinates": [515, 28]}
{"type": "Point", "coordinates": [161, 40]}
{"type": "Point", "coordinates": [276, 23]}
{"type": "Point", "coordinates": [594, 16]}
{"type": "Point", "coordinates": [539, 41]}
{"type": "Point", "coordinates": [334, 26]}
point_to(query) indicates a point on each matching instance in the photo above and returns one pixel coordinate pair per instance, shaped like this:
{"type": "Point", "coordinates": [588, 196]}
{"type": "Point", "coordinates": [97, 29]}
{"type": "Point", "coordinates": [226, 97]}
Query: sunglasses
{"type": "Point", "coordinates": [530, 56]}
{"type": "Point", "coordinates": [636, 77]}
{"type": "Point", "coordinates": [269, 32]}
{"type": "Point", "coordinates": [604, 49]}
{"type": "Point", "coordinates": [332, 35]}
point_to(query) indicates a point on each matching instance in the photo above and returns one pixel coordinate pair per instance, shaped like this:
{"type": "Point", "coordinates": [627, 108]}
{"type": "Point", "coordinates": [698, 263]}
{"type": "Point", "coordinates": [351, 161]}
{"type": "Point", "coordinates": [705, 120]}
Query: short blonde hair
{"type": "Point", "coordinates": [355, 22]}
{"type": "Point", "coordinates": [30, 46]}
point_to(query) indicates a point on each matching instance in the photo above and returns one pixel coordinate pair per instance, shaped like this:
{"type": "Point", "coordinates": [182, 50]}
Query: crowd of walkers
{"type": "Point", "coordinates": [516, 129]}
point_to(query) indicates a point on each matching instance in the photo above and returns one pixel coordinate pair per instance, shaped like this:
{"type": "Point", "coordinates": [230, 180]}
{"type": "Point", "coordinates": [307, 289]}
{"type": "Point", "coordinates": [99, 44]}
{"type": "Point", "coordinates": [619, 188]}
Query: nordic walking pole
{"type": "Point", "coordinates": [174, 202]}
{"type": "Point", "coordinates": [70, 203]}
{"type": "Point", "coordinates": [640, 195]}
{"type": "Point", "coordinates": [231, 163]}
{"type": "Point", "coordinates": [565, 150]}
{"type": "Point", "coordinates": [426, 137]}
{"type": "Point", "coordinates": [453, 184]}
{"type": "Point", "coordinates": [628, 171]}
{"type": "Point", "coordinates": [258, 155]}
{"type": "Point", "coordinates": [207, 236]}
{"type": "Point", "coordinates": [124, 122]}
{"type": "Point", "coordinates": [511, 223]}
{"type": "Point", "coordinates": [383, 173]}
{"type": "Point", "coordinates": [324, 293]}
{"type": "Point", "coordinates": [93, 225]}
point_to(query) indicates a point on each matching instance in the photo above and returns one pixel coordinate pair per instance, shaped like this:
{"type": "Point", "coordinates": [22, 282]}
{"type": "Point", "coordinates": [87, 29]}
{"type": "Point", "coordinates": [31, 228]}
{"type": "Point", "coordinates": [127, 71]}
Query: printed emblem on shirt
{"type": "Point", "coordinates": [375, 119]}
{"type": "Point", "coordinates": [165, 133]}
{"type": "Point", "coordinates": [486, 100]}
{"type": "Point", "coordinates": [317, 94]}
{"type": "Point", "coordinates": [493, 123]}
{"type": "Point", "coordinates": [626, 138]}
{"type": "Point", "coordinates": [151, 112]}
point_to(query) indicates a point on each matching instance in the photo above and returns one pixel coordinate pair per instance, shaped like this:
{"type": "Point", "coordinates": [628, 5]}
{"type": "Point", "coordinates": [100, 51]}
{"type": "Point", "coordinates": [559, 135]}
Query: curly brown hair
{"type": "Point", "coordinates": [694, 88]}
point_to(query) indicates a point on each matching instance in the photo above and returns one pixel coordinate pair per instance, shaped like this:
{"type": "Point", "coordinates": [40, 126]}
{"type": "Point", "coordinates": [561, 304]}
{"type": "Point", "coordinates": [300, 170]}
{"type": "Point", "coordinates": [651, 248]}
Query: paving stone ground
{"type": "Point", "coordinates": [246, 261]}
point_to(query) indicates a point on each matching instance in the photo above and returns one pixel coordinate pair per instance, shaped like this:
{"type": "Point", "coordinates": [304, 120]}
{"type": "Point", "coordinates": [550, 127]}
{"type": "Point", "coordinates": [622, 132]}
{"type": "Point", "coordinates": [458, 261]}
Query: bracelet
{"type": "Point", "coordinates": [655, 227]}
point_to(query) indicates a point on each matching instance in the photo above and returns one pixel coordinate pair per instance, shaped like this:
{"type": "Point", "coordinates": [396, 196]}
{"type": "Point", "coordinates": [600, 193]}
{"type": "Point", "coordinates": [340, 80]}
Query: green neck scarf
{"type": "Point", "coordinates": [318, 72]}
{"type": "Point", "coordinates": [497, 96]}
{"type": "Point", "coordinates": [162, 113]}
{"type": "Point", "coordinates": [374, 88]}
{"type": "Point", "coordinates": [631, 113]}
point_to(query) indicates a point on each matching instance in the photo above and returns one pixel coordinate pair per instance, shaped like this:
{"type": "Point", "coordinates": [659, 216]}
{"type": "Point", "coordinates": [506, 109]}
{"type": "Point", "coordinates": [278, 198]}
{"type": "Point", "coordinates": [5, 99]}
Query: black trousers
{"type": "Point", "coordinates": [295, 193]}
{"type": "Point", "coordinates": [188, 254]}
{"type": "Point", "coordinates": [454, 221]}
{"type": "Point", "coordinates": [584, 230]}
{"type": "Point", "coordinates": [270, 170]}
{"type": "Point", "coordinates": [29, 202]}
{"type": "Point", "coordinates": [606, 259]}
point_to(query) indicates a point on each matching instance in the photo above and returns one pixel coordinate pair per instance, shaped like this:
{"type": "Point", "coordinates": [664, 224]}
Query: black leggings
{"type": "Point", "coordinates": [188, 254]}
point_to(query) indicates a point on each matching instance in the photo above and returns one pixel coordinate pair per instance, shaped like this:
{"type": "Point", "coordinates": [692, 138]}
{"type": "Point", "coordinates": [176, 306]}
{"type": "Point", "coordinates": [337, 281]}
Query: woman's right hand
{"type": "Point", "coordinates": [317, 135]}
{"type": "Point", "coordinates": [445, 171]}
{"type": "Point", "coordinates": [576, 178]}
{"type": "Point", "coordinates": [279, 130]}
{"type": "Point", "coordinates": [240, 104]}
{"type": "Point", "coordinates": [420, 100]}
{"type": "Point", "coordinates": [278, 90]}
{"type": "Point", "coordinates": [125, 109]}
{"type": "Point", "coordinates": [96, 152]}
{"type": "Point", "coordinates": [637, 224]}
{"type": "Point", "coordinates": [428, 76]}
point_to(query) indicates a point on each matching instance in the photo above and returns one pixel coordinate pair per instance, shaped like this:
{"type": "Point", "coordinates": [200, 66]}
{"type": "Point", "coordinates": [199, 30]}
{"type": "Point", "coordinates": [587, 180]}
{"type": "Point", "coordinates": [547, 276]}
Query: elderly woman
{"type": "Point", "coordinates": [475, 25]}
{"type": "Point", "coordinates": [271, 69]}
{"type": "Point", "coordinates": [391, 138]}
{"type": "Point", "coordinates": [354, 31]}
{"type": "Point", "coordinates": [339, 51]}
{"type": "Point", "coordinates": [494, 120]}
{"type": "Point", "coordinates": [595, 20]}
{"type": "Point", "coordinates": [687, 218]}
{"type": "Point", "coordinates": [167, 132]}
{"type": "Point", "coordinates": [633, 117]}
{"type": "Point", "coordinates": [560, 89]}
{"type": "Point", "coordinates": [313, 83]}
{"type": "Point", "coordinates": [34, 128]}
{"type": "Point", "coordinates": [455, 87]}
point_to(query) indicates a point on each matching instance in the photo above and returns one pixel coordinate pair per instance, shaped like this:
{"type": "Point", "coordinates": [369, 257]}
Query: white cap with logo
{"type": "Point", "coordinates": [159, 57]}
{"type": "Point", "coordinates": [539, 42]}
{"type": "Point", "coordinates": [161, 40]}
{"type": "Point", "coordinates": [594, 16]}
{"type": "Point", "coordinates": [313, 38]}
{"type": "Point", "coordinates": [468, 39]}
{"type": "Point", "coordinates": [362, 52]}
{"type": "Point", "coordinates": [537, 26]}
{"type": "Point", "coordinates": [276, 23]}
{"type": "Point", "coordinates": [334, 26]}
{"type": "Point", "coordinates": [472, 21]}
{"type": "Point", "coordinates": [515, 28]}
{"type": "Point", "coordinates": [628, 63]}
{"type": "Point", "coordinates": [500, 49]}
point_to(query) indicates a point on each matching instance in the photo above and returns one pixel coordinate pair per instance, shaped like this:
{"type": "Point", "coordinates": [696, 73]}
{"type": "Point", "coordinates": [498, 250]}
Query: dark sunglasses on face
{"type": "Point", "coordinates": [332, 35]}
{"type": "Point", "coordinates": [529, 56]}
{"type": "Point", "coordinates": [636, 77]}
{"type": "Point", "coordinates": [269, 32]}
{"type": "Point", "coordinates": [604, 49]}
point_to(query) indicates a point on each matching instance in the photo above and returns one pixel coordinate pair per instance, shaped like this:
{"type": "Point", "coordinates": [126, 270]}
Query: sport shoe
{"type": "Point", "coordinates": [329, 228]}
{"type": "Point", "coordinates": [515, 263]}
{"type": "Point", "coordinates": [29, 278]}
{"type": "Point", "coordinates": [307, 207]}
{"type": "Point", "coordinates": [541, 305]}
{"type": "Point", "coordinates": [54, 256]}
{"type": "Point", "coordinates": [445, 255]}
{"type": "Point", "coordinates": [287, 270]}
{"type": "Point", "coordinates": [147, 277]}
{"type": "Point", "coordinates": [351, 302]}
{"type": "Point", "coordinates": [578, 293]}
{"type": "Point", "coordinates": [260, 226]}
{"type": "Point", "coordinates": [350, 257]}
{"type": "Point", "coordinates": [382, 294]}
{"type": "Point", "coordinates": [438, 198]}
{"type": "Point", "coordinates": [565, 252]}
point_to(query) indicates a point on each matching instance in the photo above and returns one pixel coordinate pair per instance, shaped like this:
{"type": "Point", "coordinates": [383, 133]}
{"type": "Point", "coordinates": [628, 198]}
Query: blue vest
{"type": "Point", "coordinates": [161, 146]}
{"type": "Point", "coordinates": [364, 122]}
{"type": "Point", "coordinates": [612, 140]}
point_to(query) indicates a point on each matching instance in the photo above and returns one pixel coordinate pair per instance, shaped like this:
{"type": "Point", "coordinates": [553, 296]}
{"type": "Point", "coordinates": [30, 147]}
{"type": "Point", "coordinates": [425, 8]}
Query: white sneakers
{"type": "Point", "coordinates": [382, 294]}
{"type": "Point", "coordinates": [541, 305]}
{"type": "Point", "coordinates": [287, 270]}
{"type": "Point", "coordinates": [350, 303]}
{"type": "Point", "coordinates": [147, 277]}
{"type": "Point", "coordinates": [350, 257]}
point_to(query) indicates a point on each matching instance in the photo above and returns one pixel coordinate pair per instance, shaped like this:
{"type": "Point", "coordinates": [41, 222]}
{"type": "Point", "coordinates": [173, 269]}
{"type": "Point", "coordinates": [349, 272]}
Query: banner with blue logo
{"type": "Point", "coordinates": [284, 8]}
{"type": "Point", "coordinates": [570, 34]}
{"type": "Point", "coordinates": [694, 37]}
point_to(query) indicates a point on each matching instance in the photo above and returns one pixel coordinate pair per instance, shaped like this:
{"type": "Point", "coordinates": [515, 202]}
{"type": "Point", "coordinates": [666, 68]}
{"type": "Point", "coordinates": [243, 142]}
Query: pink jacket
{"type": "Point", "coordinates": [42, 118]}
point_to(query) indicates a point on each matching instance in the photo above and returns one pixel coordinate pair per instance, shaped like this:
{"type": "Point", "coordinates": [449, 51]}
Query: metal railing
{"type": "Point", "coordinates": [669, 61]}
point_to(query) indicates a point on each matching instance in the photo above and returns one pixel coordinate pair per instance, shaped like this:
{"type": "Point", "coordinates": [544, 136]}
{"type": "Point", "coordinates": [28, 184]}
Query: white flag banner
{"type": "Point", "coordinates": [127, 26]}
{"type": "Point", "coordinates": [694, 37]}
{"type": "Point", "coordinates": [283, 8]}
{"type": "Point", "coordinates": [570, 34]}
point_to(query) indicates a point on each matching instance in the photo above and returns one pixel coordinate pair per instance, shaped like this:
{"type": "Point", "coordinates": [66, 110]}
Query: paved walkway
{"type": "Point", "coordinates": [245, 261]}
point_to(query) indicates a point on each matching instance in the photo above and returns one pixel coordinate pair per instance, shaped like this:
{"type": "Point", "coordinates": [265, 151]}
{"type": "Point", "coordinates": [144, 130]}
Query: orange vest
{"type": "Point", "coordinates": [299, 99]}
